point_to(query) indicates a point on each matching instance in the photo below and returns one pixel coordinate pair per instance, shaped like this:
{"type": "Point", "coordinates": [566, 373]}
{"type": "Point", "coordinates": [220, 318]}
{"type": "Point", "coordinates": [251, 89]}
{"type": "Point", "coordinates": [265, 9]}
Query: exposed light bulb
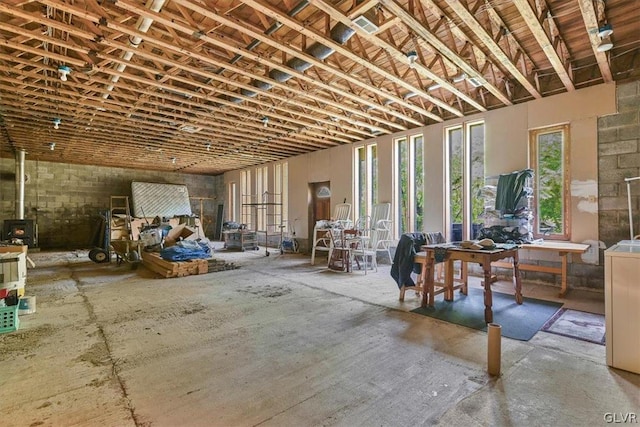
{"type": "Point", "coordinates": [265, 121]}
{"type": "Point", "coordinates": [52, 146]}
{"type": "Point", "coordinates": [208, 147]}
{"type": "Point", "coordinates": [56, 123]}
{"type": "Point", "coordinates": [174, 160]}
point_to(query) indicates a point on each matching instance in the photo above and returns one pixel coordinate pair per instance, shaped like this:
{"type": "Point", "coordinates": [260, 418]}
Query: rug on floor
{"type": "Point", "coordinates": [520, 322]}
{"type": "Point", "coordinates": [577, 324]}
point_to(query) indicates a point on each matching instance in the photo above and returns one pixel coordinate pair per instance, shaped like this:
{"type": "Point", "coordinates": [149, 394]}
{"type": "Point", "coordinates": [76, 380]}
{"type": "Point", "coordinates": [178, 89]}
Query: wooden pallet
{"type": "Point", "coordinates": [166, 269]}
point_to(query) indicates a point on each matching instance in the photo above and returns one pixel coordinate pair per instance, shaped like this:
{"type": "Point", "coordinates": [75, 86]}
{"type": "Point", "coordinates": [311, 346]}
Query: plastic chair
{"type": "Point", "coordinates": [380, 211]}
{"type": "Point", "coordinates": [342, 215]}
{"type": "Point", "coordinates": [378, 239]}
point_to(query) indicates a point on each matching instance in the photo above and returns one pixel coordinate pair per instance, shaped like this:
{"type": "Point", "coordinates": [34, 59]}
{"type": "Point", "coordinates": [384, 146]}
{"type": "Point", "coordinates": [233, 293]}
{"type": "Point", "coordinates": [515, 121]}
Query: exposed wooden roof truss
{"type": "Point", "coordinates": [204, 86]}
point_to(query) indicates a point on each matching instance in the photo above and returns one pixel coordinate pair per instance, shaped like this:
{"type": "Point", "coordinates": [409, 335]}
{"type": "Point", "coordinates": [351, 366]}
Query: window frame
{"type": "Point", "coordinates": [467, 176]}
{"type": "Point", "coordinates": [370, 187]}
{"type": "Point", "coordinates": [410, 158]}
{"type": "Point", "coordinates": [566, 193]}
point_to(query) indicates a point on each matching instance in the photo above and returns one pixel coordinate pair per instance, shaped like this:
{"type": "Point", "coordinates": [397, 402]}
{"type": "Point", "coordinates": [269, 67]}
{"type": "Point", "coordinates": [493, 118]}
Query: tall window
{"type": "Point", "coordinates": [409, 179]}
{"type": "Point", "coordinates": [281, 189]}
{"type": "Point", "coordinates": [465, 179]}
{"type": "Point", "coordinates": [549, 156]}
{"type": "Point", "coordinates": [232, 202]}
{"type": "Point", "coordinates": [261, 196]}
{"type": "Point", "coordinates": [245, 191]}
{"type": "Point", "coordinates": [366, 179]}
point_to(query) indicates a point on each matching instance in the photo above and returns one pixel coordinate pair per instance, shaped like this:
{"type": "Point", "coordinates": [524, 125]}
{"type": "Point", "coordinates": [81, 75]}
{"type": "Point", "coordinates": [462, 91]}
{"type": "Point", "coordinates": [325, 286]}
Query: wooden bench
{"type": "Point", "coordinates": [563, 249]}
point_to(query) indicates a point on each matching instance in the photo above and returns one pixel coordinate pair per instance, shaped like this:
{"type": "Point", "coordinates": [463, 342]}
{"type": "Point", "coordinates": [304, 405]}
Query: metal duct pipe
{"type": "Point", "coordinates": [340, 33]}
{"type": "Point", "coordinates": [143, 26]}
{"type": "Point", "coordinates": [272, 29]}
{"type": "Point", "coordinates": [20, 156]}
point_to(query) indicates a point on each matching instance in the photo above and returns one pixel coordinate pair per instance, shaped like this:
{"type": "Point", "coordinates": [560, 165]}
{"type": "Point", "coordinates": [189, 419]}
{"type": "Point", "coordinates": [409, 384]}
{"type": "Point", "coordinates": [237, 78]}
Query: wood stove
{"type": "Point", "coordinates": [22, 229]}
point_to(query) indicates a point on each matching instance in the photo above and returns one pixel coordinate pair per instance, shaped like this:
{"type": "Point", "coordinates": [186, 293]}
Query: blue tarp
{"type": "Point", "coordinates": [186, 250]}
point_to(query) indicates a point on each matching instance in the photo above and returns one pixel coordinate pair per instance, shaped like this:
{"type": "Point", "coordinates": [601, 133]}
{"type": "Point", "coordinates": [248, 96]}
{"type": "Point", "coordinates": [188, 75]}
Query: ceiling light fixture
{"type": "Point", "coordinates": [265, 121]}
{"type": "Point", "coordinates": [174, 160]}
{"type": "Point", "coordinates": [604, 45]}
{"type": "Point", "coordinates": [412, 56]}
{"type": "Point", "coordinates": [52, 146]}
{"type": "Point", "coordinates": [56, 122]}
{"type": "Point", "coordinates": [208, 147]}
{"type": "Point", "coordinates": [63, 71]}
{"type": "Point", "coordinates": [604, 33]}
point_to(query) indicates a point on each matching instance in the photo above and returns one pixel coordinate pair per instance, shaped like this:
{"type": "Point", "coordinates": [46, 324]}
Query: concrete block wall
{"type": "Point", "coordinates": [619, 158]}
{"type": "Point", "coordinates": [65, 199]}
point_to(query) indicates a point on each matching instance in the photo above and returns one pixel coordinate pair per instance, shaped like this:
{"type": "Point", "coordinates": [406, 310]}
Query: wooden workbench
{"type": "Point", "coordinates": [485, 258]}
{"type": "Point", "coordinates": [563, 249]}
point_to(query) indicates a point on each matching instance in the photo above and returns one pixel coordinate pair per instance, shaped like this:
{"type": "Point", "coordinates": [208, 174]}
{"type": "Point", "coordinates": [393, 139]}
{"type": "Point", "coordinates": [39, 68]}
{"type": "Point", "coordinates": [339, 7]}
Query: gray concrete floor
{"type": "Point", "coordinates": [279, 342]}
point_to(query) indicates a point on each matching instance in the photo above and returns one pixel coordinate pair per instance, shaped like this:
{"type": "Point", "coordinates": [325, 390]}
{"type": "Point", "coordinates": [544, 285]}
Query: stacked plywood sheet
{"type": "Point", "coordinates": [153, 262]}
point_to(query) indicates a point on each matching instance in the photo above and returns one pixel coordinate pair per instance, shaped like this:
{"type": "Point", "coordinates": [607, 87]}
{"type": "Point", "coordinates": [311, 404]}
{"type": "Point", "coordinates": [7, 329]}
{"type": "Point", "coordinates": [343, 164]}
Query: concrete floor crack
{"type": "Point", "coordinates": [112, 361]}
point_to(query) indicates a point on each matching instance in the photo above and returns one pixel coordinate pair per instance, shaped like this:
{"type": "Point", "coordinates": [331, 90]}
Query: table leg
{"type": "Point", "coordinates": [516, 277]}
{"type": "Point", "coordinates": [448, 280]}
{"type": "Point", "coordinates": [488, 300]}
{"type": "Point", "coordinates": [427, 280]}
{"type": "Point", "coordinates": [464, 277]}
{"type": "Point", "coordinates": [563, 284]}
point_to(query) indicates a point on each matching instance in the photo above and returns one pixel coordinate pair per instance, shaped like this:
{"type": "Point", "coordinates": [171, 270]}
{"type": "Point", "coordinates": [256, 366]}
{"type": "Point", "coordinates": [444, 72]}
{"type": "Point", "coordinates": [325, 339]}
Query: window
{"type": "Point", "coordinates": [366, 179]}
{"type": "Point", "coordinates": [245, 190]}
{"type": "Point", "coordinates": [409, 179]}
{"type": "Point", "coordinates": [549, 157]}
{"type": "Point", "coordinates": [261, 196]}
{"type": "Point", "coordinates": [232, 202]}
{"type": "Point", "coordinates": [281, 189]}
{"type": "Point", "coordinates": [465, 179]}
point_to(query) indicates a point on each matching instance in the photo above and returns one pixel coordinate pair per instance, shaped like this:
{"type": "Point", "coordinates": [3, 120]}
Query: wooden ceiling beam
{"type": "Point", "coordinates": [399, 56]}
{"type": "Point", "coordinates": [260, 59]}
{"type": "Point", "coordinates": [187, 113]}
{"type": "Point", "coordinates": [120, 46]}
{"type": "Point", "coordinates": [321, 38]}
{"type": "Point", "coordinates": [479, 31]}
{"type": "Point", "coordinates": [126, 30]}
{"type": "Point", "coordinates": [417, 27]}
{"type": "Point", "coordinates": [531, 19]}
{"type": "Point", "coordinates": [592, 25]}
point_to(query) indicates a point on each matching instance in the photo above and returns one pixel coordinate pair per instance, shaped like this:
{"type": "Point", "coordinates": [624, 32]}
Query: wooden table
{"type": "Point", "coordinates": [562, 248]}
{"type": "Point", "coordinates": [482, 257]}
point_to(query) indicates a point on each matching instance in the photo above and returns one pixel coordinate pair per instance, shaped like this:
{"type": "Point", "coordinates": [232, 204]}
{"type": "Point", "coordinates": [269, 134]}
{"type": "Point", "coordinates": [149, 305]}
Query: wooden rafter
{"type": "Point", "coordinates": [493, 47]}
{"type": "Point", "coordinates": [545, 43]}
{"type": "Point", "coordinates": [400, 56]}
{"type": "Point", "coordinates": [591, 25]}
{"type": "Point", "coordinates": [446, 51]}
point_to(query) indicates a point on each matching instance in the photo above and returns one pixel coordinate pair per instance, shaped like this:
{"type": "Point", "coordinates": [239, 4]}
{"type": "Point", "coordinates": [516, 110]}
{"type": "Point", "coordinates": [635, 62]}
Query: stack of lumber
{"type": "Point", "coordinates": [153, 262]}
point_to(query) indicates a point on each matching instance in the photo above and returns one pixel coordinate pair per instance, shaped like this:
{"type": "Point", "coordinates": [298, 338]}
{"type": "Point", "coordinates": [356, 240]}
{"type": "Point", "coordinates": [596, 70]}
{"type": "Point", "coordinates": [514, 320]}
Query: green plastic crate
{"type": "Point", "coordinates": [9, 319]}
